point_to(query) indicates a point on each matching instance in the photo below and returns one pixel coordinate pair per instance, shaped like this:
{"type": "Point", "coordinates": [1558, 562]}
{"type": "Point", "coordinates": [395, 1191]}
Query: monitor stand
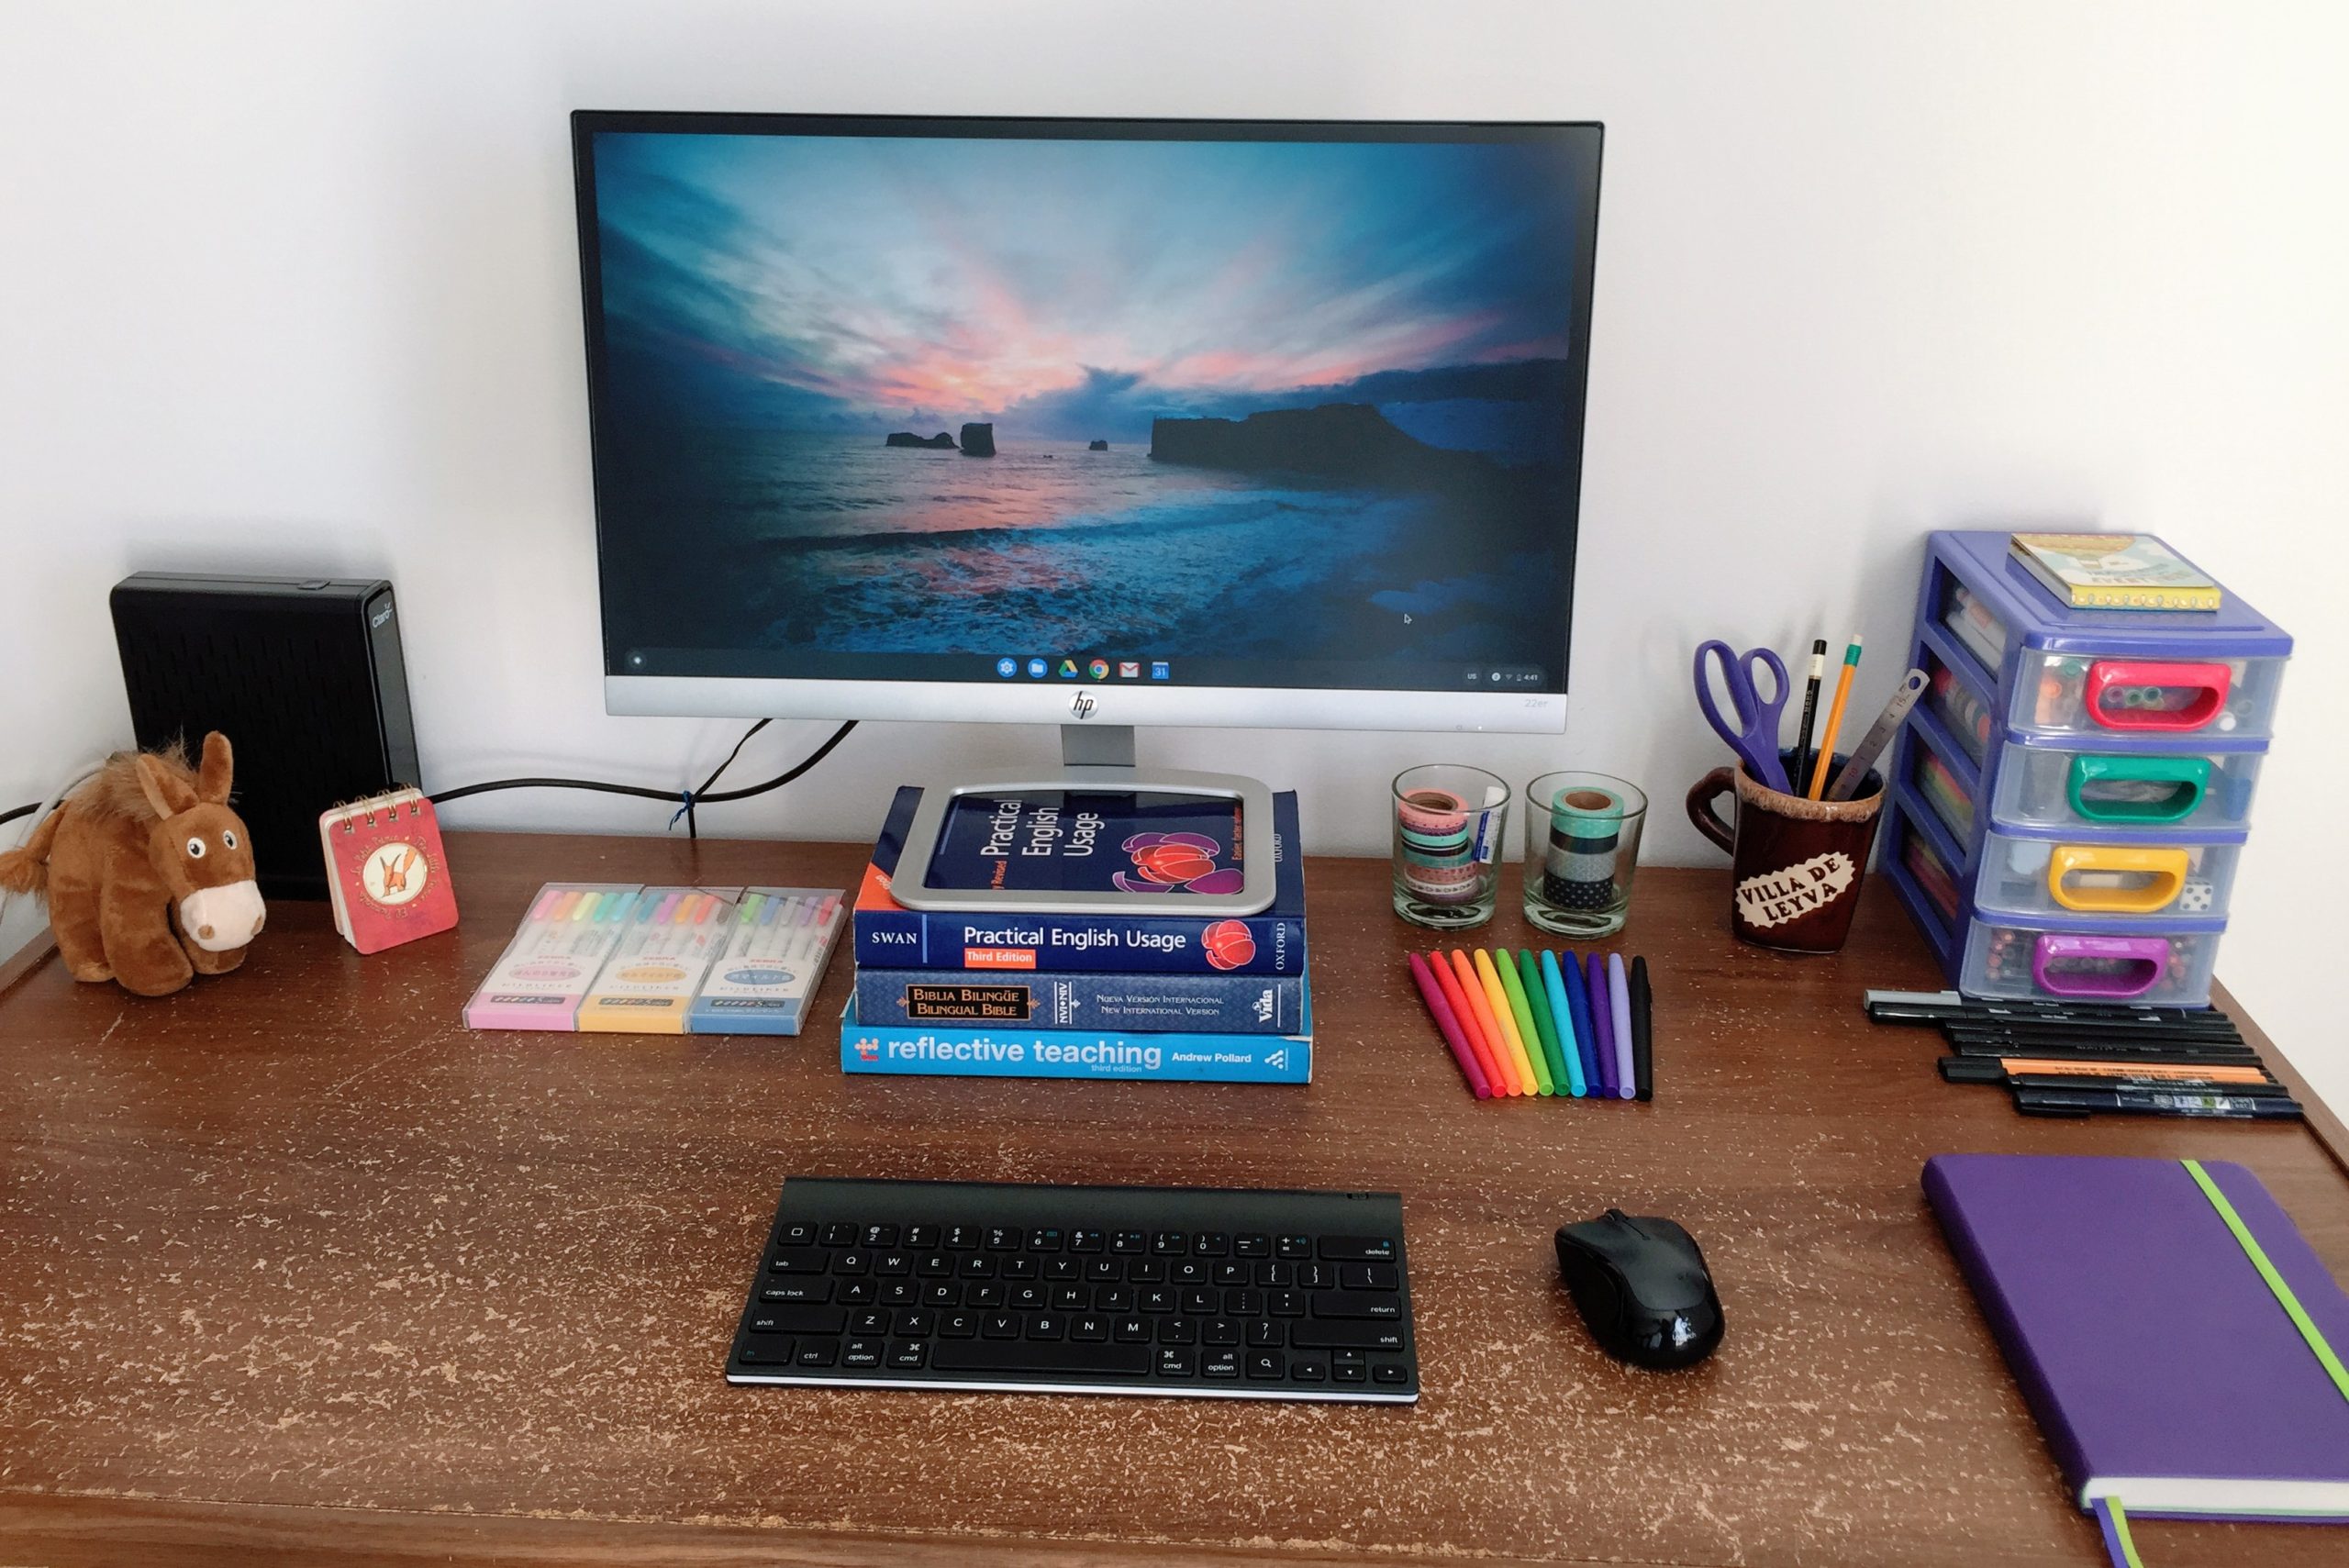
{"type": "Point", "coordinates": [1100, 759]}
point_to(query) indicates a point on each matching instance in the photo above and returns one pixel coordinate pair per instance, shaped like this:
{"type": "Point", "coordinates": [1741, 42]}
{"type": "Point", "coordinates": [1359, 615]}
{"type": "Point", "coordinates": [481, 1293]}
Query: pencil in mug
{"type": "Point", "coordinates": [1834, 718]}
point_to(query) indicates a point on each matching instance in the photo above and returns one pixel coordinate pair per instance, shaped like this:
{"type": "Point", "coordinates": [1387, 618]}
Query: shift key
{"type": "Point", "coordinates": [1328, 1334]}
{"type": "Point", "coordinates": [799, 1319]}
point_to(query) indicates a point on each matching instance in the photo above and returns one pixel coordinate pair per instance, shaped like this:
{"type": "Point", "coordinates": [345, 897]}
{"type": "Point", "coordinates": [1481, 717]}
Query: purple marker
{"type": "Point", "coordinates": [1619, 998]}
{"type": "Point", "coordinates": [1602, 1020]}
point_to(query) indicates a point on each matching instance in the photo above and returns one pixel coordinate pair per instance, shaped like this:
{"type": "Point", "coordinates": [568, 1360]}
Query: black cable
{"type": "Point", "coordinates": [640, 792]}
{"type": "Point", "coordinates": [16, 811]}
{"type": "Point", "coordinates": [693, 829]}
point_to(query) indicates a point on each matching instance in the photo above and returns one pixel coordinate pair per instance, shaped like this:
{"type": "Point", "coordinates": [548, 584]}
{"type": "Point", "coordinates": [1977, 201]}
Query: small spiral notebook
{"type": "Point", "coordinates": [2176, 1336]}
{"type": "Point", "coordinates": [387, 873]}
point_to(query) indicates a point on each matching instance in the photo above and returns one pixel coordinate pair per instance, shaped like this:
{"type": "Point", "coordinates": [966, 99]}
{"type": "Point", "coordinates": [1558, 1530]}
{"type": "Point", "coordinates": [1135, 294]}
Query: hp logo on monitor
{"type": "Point", "coordinates": [1082, 705]}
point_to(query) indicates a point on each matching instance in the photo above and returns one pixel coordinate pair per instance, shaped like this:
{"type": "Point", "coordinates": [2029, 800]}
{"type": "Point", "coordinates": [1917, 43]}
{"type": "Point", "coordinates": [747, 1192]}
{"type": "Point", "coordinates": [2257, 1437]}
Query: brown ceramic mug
{"type": "Point", "coordinates": [1797, 863]}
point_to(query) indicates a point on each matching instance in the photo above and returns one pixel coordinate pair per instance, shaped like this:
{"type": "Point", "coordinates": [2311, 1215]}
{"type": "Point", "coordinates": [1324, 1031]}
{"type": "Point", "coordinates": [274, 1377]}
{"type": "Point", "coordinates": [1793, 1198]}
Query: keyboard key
{"type": "Point", "coordinates": [1267, 1366]}
{"type": "Point", "coordinates": [852, 1262]}
{"type": "Point", "coordinates": [1308, 1367]}
{"type": "Point", "coordinates": [1317, 1276]}
{"type": "Point", "coordinates": [1087, 1241]}
{"type": "Point", "coordinates": [819, 1352]}
{"type": "Point", "coordinates": [1134, 1330]}
{"type": "Point", "coordinates": [871, 1320]}
{"type": "Point", "coordinates": [1252, 1246]}
{"type": "Point", "coordinates": [1145, 1271]}
{"type": "Point", "coordinates": [1103, 1269]}
{"type": "Point", "coordinates": [921, 1237]}
{"type": "Point", "coordinates": [1319, 1335]}
{"type": "Point", "coordinates": [1004, 1238]}
{"type": "Point", "coordinates": [889, 1263]}
{"type": "Point", "coordinates": [797, 1320]}
{"type": "Point", "coordinates": [1375, 1248]}
{"type": "Point", "coordinates": [1178, 1363]}
{"type": "Point", "coordinates": [1042, 1357]}
{"type": "Point", "coordinates": [1198, 1298]}
{"type": "Point", "coordinates": [1369, 1276]}
{"type": "Point", "coordinates": [839, 1235]}
{"type": "Point", "coordinates": [1047, 1326]}
{"type": "Point", "coordinates": [1368, 1303]}
{"type": "Point", "coordinates": [1220, 1363]}
{"type": "Point", "coordinates": [1048, 1241]}
{"type": "Point", "coordinates": [935, 1265]}
{"type": "Point", "coordinates": [1070, 1297]}
{"type": "Point", "coordinates": [862, 1352]}
{"type": "Point", "coordinates": [1159, 1298]}
{"type": "Point", "coordinates": [799, 1261]}
{"type": "Point", "coordinates": [1231, 1271]}
{"type": "Point", "coordinates": [1243, 1304]}
{"type": "Point", "coordinates": [941, 1292]}
{"type": "Point", "coordinates": [1130, 1241]}
{"type": "Point", "coordinates": [1063, 1268]}
{"type": "Point", "coordinates": [1263, 1332]}
{"type": "Point", "coordinates": [1189, 1271]}
{"type": "Point", "coordinates": [1026, 1297]}
{"type": "Point", "coordinates": [1001, 1326]}
{"type": "Point", "coordinates": [1170, 1243]}
{"type": "Point", "coordinates": [1348, 1372]}
{"type": "Point", "coordinates": [959, 1324]}
{"type": "Point", "coordinates": [1019, 1268]}
{"type": "Point", "coordinates": [1088, 1327]}
{"type": "Point", "coordinates": [1277, 1276]}
{"type": "Point", "coordinates": [1178, 1332]}
{"type": "Point", "coordinates": [1113, 1297]}
{"type": "Point", "coordinates": [908, 1357]}
{"type": "Point", "coordinates": [898, 1293]}
{"type": "Point", "coordinates": [975, 1265]}
{"type": "Point", "coordinates": [962, 1237]}
{"type": "Point", "coordinates": [986, 1294]}
{"type": "Point", "coordinates": [1293, 1247]}
{"type": "Point", "coordinates": [914, 1323]}
{"type": "Point", "coordinates": [798, 1290]}
{"type": "Point", "coordinates": [1389, 1371]}
{"type": "Point", "coordinates": [877, 1236]}
{"type": "Point", "coordinates": [1219, 1332]}
{"type": "Point", "coordinates": [1212, 1243]}
{"type": "Point", "coordinates": [802, 1234]}
{"type": "Point", "coordinates": [856, 1293]}
{"type": "Point", "coordinates": [767, 1353]}
{"type": "Point", "coordinates": [1286, 1302]}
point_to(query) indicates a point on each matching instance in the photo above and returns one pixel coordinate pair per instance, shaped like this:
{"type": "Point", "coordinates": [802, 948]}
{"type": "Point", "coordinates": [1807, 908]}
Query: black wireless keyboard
{"type": "Point", "coordinates": [1206, 1292]}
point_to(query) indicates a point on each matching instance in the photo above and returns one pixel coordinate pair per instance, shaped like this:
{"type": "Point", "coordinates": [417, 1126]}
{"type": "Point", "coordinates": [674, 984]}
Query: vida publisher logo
{"type": "Point", "coordinates": [868, 1048]}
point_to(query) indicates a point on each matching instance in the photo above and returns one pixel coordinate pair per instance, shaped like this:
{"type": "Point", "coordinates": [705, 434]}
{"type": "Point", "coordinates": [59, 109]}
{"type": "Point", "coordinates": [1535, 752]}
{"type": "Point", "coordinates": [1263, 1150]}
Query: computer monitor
{"type": "Point", "coordinates": [1089, 422]}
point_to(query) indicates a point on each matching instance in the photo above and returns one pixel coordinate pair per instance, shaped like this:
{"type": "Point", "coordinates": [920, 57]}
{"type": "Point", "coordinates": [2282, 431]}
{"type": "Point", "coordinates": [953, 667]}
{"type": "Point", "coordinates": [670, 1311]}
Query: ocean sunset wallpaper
{"type": "Point", "coordinates": [913, 402]}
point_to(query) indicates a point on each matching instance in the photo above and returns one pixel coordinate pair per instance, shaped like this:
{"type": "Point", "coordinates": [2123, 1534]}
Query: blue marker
{"type": "Point", "coordinates": [1586, 1041]}
{"type": "Point", "coordinates": [1562, 1013]}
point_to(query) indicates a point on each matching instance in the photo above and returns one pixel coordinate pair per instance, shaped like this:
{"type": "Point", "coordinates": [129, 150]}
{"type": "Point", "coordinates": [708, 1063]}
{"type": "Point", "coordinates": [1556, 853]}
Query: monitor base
{"type": "Point", "coordinates": [1099, 761]}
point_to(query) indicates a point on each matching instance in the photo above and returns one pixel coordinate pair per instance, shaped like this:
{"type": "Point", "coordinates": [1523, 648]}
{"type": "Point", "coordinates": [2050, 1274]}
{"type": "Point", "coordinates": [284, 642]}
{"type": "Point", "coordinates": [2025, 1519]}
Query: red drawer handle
{"type": "Point", "coordinates": [2109, 680]}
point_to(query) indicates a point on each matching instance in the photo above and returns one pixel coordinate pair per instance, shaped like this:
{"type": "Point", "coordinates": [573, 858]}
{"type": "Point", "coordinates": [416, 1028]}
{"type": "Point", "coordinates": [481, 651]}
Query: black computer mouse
{"type": "Point", "coordinates": [1641, 1285]}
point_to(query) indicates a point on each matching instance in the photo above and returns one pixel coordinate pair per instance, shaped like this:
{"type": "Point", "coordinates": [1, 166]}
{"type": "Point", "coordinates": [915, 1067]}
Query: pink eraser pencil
{"type": "Point", "coordinates": [1444, 1020]}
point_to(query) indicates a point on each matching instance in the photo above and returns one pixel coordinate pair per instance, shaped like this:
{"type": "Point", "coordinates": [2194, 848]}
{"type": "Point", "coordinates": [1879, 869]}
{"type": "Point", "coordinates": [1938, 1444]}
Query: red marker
{"type": "Point", "coordinates": [1450, 1024]}
{"type": "Point", "coordinates": [1500, 1071]}
{"type": "Point", "coordinates": [1466, 1019]}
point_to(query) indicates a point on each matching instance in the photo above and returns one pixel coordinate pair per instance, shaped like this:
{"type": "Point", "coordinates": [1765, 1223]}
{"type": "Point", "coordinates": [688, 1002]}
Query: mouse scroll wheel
{"type": "Point", "coordinates": [1626, 1222]}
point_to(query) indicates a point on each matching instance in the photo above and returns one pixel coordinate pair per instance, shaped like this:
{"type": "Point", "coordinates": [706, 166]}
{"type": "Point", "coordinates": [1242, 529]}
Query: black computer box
{"type": "Point", "coordinates": [303, 676]}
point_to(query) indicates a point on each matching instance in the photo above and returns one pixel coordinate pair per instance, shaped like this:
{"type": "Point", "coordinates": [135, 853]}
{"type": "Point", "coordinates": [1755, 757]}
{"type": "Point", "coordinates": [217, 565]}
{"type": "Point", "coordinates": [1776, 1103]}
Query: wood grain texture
{"type": "Point", "coordinates": [292, 1262]}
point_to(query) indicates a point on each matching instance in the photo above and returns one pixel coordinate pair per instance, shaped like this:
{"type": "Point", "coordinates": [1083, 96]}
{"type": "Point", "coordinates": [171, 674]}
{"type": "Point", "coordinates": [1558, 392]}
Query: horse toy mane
{"type": "Point", "coordinates": [147, 873]}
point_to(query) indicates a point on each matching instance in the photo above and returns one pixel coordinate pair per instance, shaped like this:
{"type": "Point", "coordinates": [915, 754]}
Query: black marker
{"type": "Point", "coordinates": [1809, 710]}
{"type": "Point", "coordinates": [1643, 1025]}
{"type": "Point", "coordinates": [2230, 1105]}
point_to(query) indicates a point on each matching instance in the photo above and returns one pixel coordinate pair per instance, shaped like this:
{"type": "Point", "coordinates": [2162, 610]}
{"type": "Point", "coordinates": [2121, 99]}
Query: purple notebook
{"type": "Point", "coordinates": [2164, 1370]}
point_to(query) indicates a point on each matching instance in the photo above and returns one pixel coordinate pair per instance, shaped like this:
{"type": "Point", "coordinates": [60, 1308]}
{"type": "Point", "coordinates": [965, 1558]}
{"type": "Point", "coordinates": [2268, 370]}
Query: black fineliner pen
{"type": "Point", "coordinates": [1948, 1006]}
{"type": "Point", "coordinates": [2036, 1043]}
{"type": "Point", "coordinates": [1642, 1031]}
{"type": "Point", "coordinates": [2232, 1105]}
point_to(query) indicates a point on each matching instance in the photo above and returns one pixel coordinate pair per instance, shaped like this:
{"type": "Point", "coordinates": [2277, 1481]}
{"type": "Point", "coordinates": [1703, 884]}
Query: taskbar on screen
{"type": "Point", "coordinates": [1087, 667]}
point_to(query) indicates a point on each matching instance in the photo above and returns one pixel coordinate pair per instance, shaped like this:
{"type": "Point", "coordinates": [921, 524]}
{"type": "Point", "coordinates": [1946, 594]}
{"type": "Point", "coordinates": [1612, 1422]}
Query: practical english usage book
{"type": "Point", "coordinates": [1083, 842]}
{"type": "Point", "coordinates": [2170, 1372]}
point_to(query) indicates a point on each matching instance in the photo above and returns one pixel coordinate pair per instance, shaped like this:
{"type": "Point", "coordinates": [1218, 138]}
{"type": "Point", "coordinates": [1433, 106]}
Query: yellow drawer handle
{"type": "Point", "coordinates": [2115, 881]}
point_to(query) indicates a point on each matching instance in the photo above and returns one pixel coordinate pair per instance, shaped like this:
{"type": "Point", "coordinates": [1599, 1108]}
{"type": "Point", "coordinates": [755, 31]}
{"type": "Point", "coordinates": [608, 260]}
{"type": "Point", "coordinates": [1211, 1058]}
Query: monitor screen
{"type": "Point", "coordinates": [955, 406]}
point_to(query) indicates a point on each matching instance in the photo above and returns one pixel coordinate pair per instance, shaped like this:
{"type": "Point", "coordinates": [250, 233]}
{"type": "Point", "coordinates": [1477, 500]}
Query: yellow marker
{"type": "Point", "coordinates": [1487, 977]}
{"type": "Point", "coordinates": [1472, 988]}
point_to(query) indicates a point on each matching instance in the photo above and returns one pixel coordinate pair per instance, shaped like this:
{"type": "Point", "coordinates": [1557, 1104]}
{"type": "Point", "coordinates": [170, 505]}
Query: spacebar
{"type": "Point", "coordinates": [1046, 1356]}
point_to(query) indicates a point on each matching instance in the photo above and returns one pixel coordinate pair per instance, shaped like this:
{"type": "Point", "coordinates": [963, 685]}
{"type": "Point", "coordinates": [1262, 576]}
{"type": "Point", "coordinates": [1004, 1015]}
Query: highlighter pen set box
{"type": "Point", "coordinates": [620, 958]}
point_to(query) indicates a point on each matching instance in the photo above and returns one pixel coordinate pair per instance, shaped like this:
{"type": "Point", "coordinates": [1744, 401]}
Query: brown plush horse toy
{"type": "Point", "coordinates": [150, 875]}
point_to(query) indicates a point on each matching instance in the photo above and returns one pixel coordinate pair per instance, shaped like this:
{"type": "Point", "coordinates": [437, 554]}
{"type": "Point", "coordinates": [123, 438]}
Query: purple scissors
{"type": "Point", "coordinates": [1754, 737]}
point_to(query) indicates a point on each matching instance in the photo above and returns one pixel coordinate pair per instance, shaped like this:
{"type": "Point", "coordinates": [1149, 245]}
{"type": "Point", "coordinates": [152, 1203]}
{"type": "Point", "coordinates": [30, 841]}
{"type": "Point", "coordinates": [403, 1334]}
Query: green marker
{"type": "Point", "coordinates": [1530, 972]}
{"type": "Point", "coordinates": [1536, 1055]}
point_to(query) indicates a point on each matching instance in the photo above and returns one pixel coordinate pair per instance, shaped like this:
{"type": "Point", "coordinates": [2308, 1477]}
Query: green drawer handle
{"type": "Point", "coordinates": [2190, 775]}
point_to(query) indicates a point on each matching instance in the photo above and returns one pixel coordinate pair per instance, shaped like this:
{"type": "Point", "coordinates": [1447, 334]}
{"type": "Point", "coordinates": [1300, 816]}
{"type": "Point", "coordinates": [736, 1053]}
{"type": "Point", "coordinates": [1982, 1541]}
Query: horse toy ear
{"type": "Point", "coordinates": [212, 783]}
{"type": "Point", "coordinates": [168, 793]}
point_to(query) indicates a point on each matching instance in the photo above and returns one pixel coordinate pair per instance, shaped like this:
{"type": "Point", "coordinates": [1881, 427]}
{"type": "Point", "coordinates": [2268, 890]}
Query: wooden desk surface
{"type": "Point", "coordinates": [291, 1262]}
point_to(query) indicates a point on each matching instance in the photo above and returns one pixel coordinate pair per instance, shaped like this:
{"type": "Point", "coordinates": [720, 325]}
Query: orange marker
{"type": "Point", "coordinates": [1508, 1082]}
{"type": "Point", "coordinates": [1834, 718]}
{"type": "Point", "coordinates": [1449, 984]}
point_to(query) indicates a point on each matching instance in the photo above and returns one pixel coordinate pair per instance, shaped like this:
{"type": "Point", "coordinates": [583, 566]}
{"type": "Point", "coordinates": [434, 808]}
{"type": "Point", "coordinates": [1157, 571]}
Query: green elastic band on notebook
{"type": "Point", "coordinates": [2121, 1547]}
{"type": "Point", "coordinates": [2276, 1282]}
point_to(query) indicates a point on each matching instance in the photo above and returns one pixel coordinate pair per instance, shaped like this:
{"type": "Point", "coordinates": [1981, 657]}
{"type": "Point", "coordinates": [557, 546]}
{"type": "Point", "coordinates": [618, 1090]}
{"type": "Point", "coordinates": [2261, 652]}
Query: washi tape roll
{"type": "Point", "coordinates": [1586, 826]}
{"type": "Point", "coordinates": [1439, 834]}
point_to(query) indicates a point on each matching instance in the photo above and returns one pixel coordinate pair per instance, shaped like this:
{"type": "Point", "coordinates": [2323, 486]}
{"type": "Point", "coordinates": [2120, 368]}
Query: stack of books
{"type": "Point", "coordinates": [1070, 995]}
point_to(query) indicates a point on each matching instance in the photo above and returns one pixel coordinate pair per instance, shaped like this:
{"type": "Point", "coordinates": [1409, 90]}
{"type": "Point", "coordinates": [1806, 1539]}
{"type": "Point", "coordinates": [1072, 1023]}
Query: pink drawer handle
{"type": "Point", "coordinates": [2142, 961]}
{"type": "Point", "coordinates": [2111, 679]}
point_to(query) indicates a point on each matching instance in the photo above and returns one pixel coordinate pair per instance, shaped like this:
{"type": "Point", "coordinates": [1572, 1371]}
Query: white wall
{"type": "Point", "coordinates": [293, 288]}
